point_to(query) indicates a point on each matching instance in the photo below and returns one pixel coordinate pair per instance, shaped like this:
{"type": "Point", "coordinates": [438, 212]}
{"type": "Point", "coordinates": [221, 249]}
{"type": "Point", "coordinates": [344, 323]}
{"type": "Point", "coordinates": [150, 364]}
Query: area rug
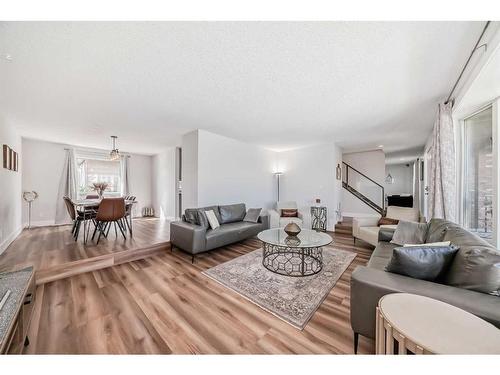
{"type": "Point", "coordinates": [293, 299]}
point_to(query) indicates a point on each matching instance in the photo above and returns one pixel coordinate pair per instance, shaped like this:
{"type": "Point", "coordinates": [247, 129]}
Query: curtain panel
{"type": "Point", "coordinates": [125, 175]}
{"type": "Point", "coordinates": [67, 187]}
{"type": "Point", "coordinates": [442, 189]}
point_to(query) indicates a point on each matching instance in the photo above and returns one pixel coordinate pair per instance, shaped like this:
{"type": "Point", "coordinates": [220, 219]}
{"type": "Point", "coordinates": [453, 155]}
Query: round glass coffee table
{"type": "Point", "coordinates": [300, 255]}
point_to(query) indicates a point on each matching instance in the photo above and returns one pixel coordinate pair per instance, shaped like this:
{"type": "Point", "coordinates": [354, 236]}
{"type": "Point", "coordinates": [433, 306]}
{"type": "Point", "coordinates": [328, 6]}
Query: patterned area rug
{"type": "Point", "coordinates": [293, 299]}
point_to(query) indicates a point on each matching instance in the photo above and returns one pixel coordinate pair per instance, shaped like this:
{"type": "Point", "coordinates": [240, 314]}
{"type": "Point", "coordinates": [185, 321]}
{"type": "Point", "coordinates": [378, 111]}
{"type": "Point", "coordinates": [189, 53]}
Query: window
{"type": "Point", "coordinates": [478, 173]}
{"type": "Point", "coordinates": [94, 170]}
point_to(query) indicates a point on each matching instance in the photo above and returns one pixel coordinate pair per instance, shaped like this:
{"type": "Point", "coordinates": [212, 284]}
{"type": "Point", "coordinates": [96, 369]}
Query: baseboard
{"type": "Point", "coordinates": [5, 244]}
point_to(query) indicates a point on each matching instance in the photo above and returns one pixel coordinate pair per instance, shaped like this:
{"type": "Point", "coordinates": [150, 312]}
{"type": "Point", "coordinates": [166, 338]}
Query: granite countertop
{"type": "Point", "coordinates": [16, 282]}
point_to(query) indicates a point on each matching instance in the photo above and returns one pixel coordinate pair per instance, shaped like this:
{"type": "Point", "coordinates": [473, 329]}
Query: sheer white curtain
{"type": "Point", "coordinates": [125, 175]}
{"type": "Point", "coordinates": [442, 179]}
{"type": "Point", "coordinates": [67, 187]}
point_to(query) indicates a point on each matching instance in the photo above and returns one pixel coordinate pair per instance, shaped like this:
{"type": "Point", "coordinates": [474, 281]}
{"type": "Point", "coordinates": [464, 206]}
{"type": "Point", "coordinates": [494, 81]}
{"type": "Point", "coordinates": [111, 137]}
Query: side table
{"type": "Point", "coordinates": [318, 218]}
{"type": "Point", "coordinates": [422, 325]}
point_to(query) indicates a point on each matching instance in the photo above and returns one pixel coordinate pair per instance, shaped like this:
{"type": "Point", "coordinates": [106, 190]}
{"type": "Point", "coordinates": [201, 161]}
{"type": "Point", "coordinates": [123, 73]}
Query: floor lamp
{"type": "Point", "coordinates": [278, 175]}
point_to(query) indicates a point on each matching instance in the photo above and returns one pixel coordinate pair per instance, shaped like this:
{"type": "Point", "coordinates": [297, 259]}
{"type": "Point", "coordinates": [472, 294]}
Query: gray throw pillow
{"type": "Point", "coordinates": [409, 232]}
{"type": "Point", "coordinates": [191, 215]}
{"type": "Point", "coordinates": [424, 263]}
{"type": "Point", "coordinates": [477, 268]}
{"type": "Point", "coordinates": [252, 215]}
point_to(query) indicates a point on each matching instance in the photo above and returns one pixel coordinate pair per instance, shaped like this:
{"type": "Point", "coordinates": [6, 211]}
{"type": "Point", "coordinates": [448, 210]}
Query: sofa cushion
{"type": "Point", "coordinates": [424, 262]}
{"type": "Point", "coordinates": [408, 232]}
{"type": "Point", "coordinates": [191, 215]}
{"type": "Point", "coordinates": [381, 256]}
{"type": "Point", "coordinates": [436, 229]}
{"type": "Point", "coordinates": [476, 268]}
{"type": "Point", "coordinates": [252, 215]}
{"type": "Point", "coordinates": [230, 233]}
{"type": "Point", "coordinates": [402, 213]}
{"type": "Point", "coordinates": [232, 212]}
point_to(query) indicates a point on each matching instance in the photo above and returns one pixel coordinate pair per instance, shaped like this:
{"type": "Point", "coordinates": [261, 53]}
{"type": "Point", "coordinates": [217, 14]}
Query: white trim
{"type": "Point", "coordinates": [5, 244]}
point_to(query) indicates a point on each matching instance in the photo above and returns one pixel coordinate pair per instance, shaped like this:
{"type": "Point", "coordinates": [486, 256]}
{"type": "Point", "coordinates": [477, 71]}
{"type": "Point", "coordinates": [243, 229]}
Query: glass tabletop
{"type": "Point", "coordinates": [306, 238]}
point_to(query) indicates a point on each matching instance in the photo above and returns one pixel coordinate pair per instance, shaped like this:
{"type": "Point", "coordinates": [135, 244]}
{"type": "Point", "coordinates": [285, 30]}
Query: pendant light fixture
{"type": "Point", "coordinates": [114, 154]}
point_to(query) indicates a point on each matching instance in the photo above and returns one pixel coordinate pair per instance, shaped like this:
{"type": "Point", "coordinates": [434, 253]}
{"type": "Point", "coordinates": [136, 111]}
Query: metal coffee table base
{"type": "Point", "coordinates": [292, 261]}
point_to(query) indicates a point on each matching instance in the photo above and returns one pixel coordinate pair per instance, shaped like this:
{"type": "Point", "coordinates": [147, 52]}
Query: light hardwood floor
{"type": "Point", "coordinates": [163, 304]}
{"type": "Point", "coordinates": [55, 254]}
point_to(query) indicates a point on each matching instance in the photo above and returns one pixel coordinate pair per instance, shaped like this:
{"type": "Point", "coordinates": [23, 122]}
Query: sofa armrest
{"type": "Point", "coordinates": [368, 285]}
{"type": "Point", "coordinates": [357, 222]}
{"type": "Point", "coordinates": [274, 219]}
{"type": "Point", "coordinates": [385, 234]}
{"type": "Point", "coordinates": [265, 220]}
{"type": "Point", "coordinates": [188, 237]}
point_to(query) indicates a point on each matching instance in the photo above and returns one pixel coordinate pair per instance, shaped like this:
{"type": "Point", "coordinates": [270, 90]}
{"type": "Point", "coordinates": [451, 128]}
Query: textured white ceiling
{"type": "Point", "coordinates": [277, 84]}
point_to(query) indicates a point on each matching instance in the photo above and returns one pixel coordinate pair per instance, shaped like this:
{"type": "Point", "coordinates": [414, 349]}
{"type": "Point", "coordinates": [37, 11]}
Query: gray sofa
{"type": "Point", "coordinates": [193, 234]}
{"type": "Point", "coordinates": [370, 283]}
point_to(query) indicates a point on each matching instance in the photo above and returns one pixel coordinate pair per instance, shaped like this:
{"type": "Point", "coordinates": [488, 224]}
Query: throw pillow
{"type": "Point", "coordinates": [212, 219]}
{"type": "Point", "coordinates": [476, 267]}
{"type": "Point", "coordinates": [434, 244]}
{"type": "Point", "coordinates": [289, 212]}
{"type": "Point", "coordinates": [191, 216]}
{"type": "Point", "coordinates": [409, 232]}
{"type": "Point", "coordinates": [424, 263]}
{"type": "Point", "coordinates": [252, 215]}
{"type": "Point", "coordinates": [387, 221]}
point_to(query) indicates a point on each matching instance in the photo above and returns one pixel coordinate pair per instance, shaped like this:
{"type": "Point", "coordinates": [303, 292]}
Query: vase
{"type": "Point", "coordinates": [292, 229]}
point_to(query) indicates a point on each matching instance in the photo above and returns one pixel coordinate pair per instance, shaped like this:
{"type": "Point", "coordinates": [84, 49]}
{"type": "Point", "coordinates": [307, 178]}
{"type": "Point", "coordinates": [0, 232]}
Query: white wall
{"type": "Point", "coordinates": [43, 163]}
{"type": "Point", "coordinates": [226, 171]}
{"type": "Point", "coordinates": [372, 164]}
{"type": "Point", "coordinates": [403, 179]}
{"type": "Point", "coordinates": [10, 189]}
{"type": "Point", "coordinates": [163, 188]}
{"type": "Point", "coordinates": [190, 170]}
{"type": "Point", "coordinates": [230, 171]}
{"type": "Point", "coordinates": [309, 173]}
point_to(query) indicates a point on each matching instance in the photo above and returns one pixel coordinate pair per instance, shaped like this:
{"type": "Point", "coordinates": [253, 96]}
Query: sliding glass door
{"type": "Point", "coordinates": [478, 174]}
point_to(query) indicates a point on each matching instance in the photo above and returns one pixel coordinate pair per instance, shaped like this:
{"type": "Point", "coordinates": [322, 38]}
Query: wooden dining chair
{"type": "Point", "coordinates": [128, 212]}
{"type": "Point", "coordinates": [77, 217]}
{"type": "Point", "coordinates": [110, 211]}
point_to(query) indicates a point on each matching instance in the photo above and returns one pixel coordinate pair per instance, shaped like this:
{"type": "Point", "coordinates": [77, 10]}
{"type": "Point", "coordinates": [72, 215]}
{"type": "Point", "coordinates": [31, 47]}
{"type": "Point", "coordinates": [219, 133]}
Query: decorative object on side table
{"type": "Point", "coordinates": [318, 218]}
{"type": "Point", "coordinates": [409, 323]}
{"type": "Point", "coordinates": [292, 229]}
{"type": "Point", "coordinates": [30, 196]}
{"type": "Point", "coordinates": [99, 187]}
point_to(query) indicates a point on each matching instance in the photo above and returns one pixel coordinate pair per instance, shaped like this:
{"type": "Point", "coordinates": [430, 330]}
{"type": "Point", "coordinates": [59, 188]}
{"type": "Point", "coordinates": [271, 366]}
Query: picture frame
{"type": "Point", "coordinates": [10, 159]}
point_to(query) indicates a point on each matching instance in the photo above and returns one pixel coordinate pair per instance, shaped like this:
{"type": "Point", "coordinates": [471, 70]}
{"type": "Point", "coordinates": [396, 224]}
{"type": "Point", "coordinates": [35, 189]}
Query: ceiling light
{"type": "Point", "coordinates": [114, 154]}
{"type": "Point", "coordinates": [380, 146]}
{"type": "Point", "coordinates": [8, 57]}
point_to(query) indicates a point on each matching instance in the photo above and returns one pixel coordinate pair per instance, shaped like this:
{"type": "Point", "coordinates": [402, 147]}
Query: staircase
{"type": "Point", "coordinates": [364, 188]}
{"type": "Point", "coordinates": [344, 227]}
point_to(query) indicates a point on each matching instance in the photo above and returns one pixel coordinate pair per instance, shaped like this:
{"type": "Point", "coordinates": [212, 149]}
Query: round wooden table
{"type": "Point", "coordinates": [422, 325]}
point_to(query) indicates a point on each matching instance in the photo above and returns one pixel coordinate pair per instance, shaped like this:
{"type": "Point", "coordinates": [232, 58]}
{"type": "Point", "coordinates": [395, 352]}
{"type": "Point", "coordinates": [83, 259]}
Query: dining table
{"type": "Point", "coordinates": [86, 206]}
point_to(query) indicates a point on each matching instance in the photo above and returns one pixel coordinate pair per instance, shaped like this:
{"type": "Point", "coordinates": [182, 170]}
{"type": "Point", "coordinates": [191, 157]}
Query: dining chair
{"type": "Point", "coordinates": [77, 216]}
{"type": "Point", "coordinates": [110, 211]}
{"type": "Point", "coordinates": [128, 212]}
